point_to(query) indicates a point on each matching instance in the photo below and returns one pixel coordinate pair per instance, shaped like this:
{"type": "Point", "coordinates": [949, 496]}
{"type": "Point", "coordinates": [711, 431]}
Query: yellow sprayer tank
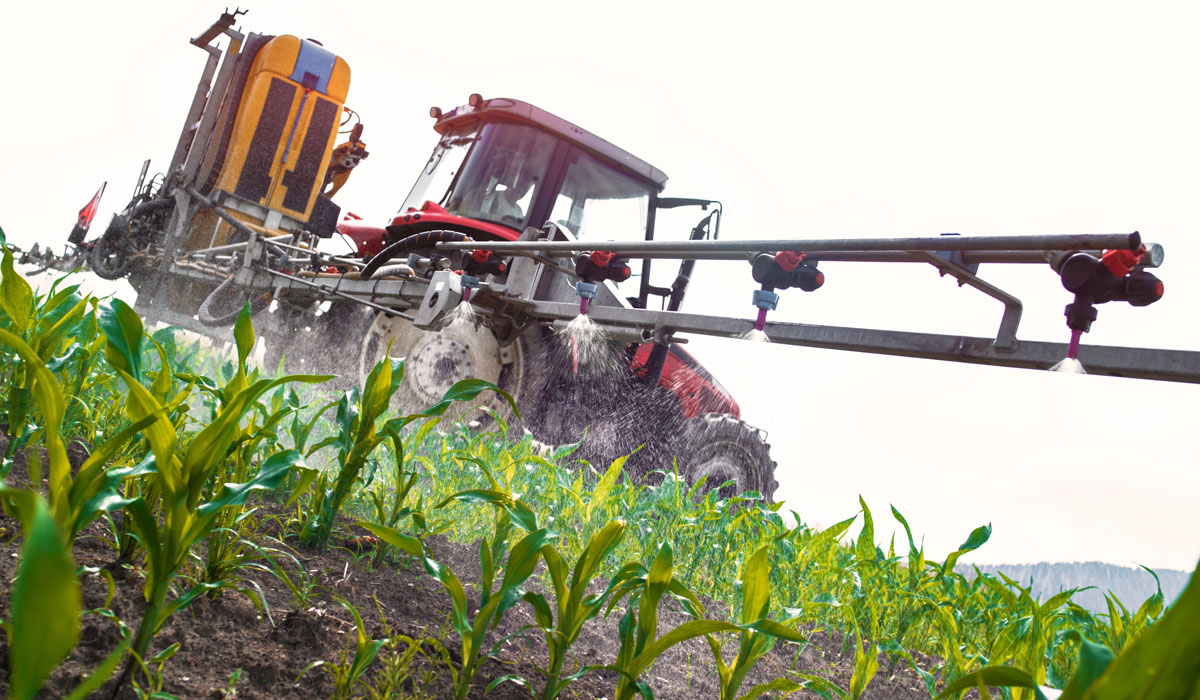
{"type": "Point", "coordinates": [285, 126]}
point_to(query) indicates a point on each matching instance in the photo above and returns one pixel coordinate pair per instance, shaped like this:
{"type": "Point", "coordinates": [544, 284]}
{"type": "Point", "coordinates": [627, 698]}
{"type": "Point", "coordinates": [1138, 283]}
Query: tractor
{"type": "Point", "coordinates": [503, 169]}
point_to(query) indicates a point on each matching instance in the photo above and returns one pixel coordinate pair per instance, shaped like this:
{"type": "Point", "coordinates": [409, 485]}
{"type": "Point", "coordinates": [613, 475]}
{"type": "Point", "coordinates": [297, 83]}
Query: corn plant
{"type": "Point", "coordinates": [519, 564]}
{"type": "Point", "coordinates": [349, 671]}
{"type": "Point", "coordinates": [1161, 664]}
{"type": "Point", "coordinates": [390, 501]}
{"type": "Point", "coordinates": [756, 633]}
{"type": "Point", "coordinates": [45, 599]}
{"type": "Point", "coordinates": [639, 626]}
{"type": "Point", "coordinates": [181, 475]}
{"type": "Point", "coordinates": [357, 438]}
{"type": "Point", "coordinates": [231, 545]}
{"type": "Point", "coordinates": [359, 435]}
{"type": "Point", "coordinates": [562, 624]}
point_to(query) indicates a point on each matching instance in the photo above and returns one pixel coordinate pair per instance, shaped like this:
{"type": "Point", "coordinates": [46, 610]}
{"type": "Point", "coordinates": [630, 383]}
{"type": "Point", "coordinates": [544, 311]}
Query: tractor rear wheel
{"type": "Point", "coordinates": [720, 448]}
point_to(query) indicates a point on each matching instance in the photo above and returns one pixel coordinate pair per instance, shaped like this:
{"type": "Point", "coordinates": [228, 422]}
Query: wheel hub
{"type": "Point", "coordinates": [437, 365]}
{"type": "Point", "coordinates": [434, 362]}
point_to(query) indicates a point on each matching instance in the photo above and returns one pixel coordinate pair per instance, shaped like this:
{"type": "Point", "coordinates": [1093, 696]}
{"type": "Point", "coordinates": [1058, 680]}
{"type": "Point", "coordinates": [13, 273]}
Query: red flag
{"type": "Point", "coordinates": [89, 211]}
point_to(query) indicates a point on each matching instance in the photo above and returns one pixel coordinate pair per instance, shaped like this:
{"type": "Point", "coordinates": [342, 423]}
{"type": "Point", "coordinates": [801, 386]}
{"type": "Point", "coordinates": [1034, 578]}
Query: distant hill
{"type": "Point", "coordinates": [1131, 585]}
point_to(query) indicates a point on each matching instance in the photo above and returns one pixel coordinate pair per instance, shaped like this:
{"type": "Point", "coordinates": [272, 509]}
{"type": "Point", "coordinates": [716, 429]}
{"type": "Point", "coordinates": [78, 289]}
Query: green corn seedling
{"type": "Point", "coordinates": [563, 623]}
{"type": "Point", "coordinates": [639, 626]}
{"type": "Point", "coordinates": [757, 632]}
{"type": "Point", "coordinates": [181, 475]}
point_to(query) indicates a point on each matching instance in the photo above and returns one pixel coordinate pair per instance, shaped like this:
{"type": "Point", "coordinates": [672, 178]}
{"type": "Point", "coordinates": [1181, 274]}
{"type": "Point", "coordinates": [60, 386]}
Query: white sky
{"type": "Point", "coordinates": [831, 119]}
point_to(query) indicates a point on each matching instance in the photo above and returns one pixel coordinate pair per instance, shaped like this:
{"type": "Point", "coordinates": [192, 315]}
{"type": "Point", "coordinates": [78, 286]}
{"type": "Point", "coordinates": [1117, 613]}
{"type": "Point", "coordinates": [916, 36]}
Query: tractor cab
{"type": "Point", "coordinates": [502, 165]}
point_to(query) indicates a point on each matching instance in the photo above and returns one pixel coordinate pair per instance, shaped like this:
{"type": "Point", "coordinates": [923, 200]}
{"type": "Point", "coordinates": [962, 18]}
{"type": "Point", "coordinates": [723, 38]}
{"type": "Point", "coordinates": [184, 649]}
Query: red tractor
{"type": "Point", "coordinates": [502, 170]}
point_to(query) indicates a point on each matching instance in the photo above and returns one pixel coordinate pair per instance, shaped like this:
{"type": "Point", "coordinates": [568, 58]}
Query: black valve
{"type": "Point", "coordinates": [786, 270]}
{"type": "Point", "coordinates": [1111, 277]}
{"type": "Point", "coordinates": [483, 262]}
{"type": "Point", "coordinates": [1140, 289]}
{"type": "Point", "coordinates": [600, 266]}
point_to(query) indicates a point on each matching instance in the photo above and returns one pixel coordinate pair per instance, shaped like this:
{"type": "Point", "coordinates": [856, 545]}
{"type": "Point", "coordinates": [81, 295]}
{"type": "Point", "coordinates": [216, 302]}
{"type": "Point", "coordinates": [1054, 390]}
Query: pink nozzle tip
{"type": "Point", "coordinates": [466, 294]}
{"type": "Point", "coordinates": [761, 320]}
{"type": "Point", "coordinates": [1073, 346]}
{"type": "Point", "coordinates": [583, 305]}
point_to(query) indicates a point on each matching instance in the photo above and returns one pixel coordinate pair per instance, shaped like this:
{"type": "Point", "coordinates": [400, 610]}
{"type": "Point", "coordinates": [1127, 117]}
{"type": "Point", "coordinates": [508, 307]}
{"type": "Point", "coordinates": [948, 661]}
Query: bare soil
{"type": "Point", "coordinates": [227, 636]}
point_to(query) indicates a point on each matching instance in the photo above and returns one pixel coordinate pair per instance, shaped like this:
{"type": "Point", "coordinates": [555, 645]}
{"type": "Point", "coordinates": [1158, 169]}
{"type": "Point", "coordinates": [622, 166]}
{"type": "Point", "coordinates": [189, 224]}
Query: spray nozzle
{"type": "Point", "coordinates": [766, 300]}
{"type": "Point", "coordinates": [587, 292]}
{"type": "Point", "coordinates": [469, 282]}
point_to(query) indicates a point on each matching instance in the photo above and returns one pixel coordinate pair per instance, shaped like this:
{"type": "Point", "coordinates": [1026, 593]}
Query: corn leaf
{"type": "Point", "coordinates": [45, 599]}
{"type": "Point", "coordinates": [756, 587]}
{"type": "Point", "coordinates": [1164, 662]}
{"type": "Point", "coordinates": [600, 494]}
{"type": "Point", "coordinates": [865, 546]}
{"type": "Point", "coordinates": [977, 538]}
{"type": "Point", "coordinates": [866, 665]}
{"type": "Point", "coordinates": [243, 334]}
{"type": "Point", "coordinates": [16, 296]}
{"type": "Point", "coordinates": [405, 543]}
{"type": "Point", "coordinates": [465, 390]}
{"type": "Point", "coordinates": [780, 685]}
{"type": "Point", "coordinates": [123, 329]}
{"type": "Point", "coordinates": [991, 676]}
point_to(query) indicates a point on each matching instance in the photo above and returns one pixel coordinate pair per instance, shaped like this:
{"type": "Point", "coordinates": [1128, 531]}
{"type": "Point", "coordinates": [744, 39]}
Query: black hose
{"type": "Point", "coordinates": [163, 203]}
{"type": "Point", "coordinates": [407, 244]}
{"type": "Point", "coordinates": [206, 315]}
{"type": "Point", "coordinates": [658, 354]}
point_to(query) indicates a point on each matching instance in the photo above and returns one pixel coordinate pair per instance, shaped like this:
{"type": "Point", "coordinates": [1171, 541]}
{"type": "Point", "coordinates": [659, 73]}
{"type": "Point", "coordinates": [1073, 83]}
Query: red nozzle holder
{"type": "Point", "coordinates": [1122, 262]}
{"type": "Point", "coordinates": [480, 256]}
{"type": "Point", "coordinates": [601, 257]}
{"type": "Point", "coordinates": [788, 260]}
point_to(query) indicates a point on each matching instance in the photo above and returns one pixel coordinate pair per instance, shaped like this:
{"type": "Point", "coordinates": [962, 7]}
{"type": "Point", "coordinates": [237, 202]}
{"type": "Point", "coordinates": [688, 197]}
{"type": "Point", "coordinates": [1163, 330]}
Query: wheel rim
{"type": "Point", "coordinates": [720, 463]}
{"type": "Point", "coordinates": [434, 362]}
{"type": "Point", "coordinates": [722, 448]}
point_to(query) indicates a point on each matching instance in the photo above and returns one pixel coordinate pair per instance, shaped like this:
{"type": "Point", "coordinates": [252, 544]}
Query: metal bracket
{"type": "Point", "coordinates": [441, 299]}
{"type": "Point", "coordinates": [1006, 337]}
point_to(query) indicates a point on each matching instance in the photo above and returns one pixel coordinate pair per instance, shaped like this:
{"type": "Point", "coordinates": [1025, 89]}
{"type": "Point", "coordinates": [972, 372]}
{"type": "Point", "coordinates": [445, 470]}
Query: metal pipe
{"type": "Point", "coordinates": [326, 290]}
{"type": "Point", "coordinates": [1087, 241]}
{"type": "Point", "coordinates": [623, 335]}
{"type": "Point", "coordinates": [323, 257]}
{"type": "Point", "coordinates": [969, 257]}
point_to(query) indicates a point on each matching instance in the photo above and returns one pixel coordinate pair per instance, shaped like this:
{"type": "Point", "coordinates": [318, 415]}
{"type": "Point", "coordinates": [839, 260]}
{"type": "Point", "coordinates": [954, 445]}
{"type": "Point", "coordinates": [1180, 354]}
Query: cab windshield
{"type": "Point", "coordinates": [492, 174]}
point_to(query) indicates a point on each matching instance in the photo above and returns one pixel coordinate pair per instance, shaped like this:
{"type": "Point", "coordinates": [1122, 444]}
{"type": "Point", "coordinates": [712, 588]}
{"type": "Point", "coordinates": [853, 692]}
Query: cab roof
{"type": "Point", "coordinates": [515, 110]}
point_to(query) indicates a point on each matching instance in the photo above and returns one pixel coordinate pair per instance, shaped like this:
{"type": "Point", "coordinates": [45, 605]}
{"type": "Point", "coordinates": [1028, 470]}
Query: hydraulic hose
{"type": "Point", "coordinates": [658, 354]}
{"type": "Point", "coordinates": [209, 317]}
{"type": "Point", "coordinates": [425, 239]}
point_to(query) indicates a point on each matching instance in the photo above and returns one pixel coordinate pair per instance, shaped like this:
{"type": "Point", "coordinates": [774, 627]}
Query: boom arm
{"type": "Point", "coordinates": [958, 256]}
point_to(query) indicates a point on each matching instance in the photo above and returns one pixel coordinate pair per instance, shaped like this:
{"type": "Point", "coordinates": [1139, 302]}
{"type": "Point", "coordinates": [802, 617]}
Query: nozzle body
{"type": "Point", "coordinates": [600, 266]}
{"type": "Point", "coordinates": [788, 271]}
